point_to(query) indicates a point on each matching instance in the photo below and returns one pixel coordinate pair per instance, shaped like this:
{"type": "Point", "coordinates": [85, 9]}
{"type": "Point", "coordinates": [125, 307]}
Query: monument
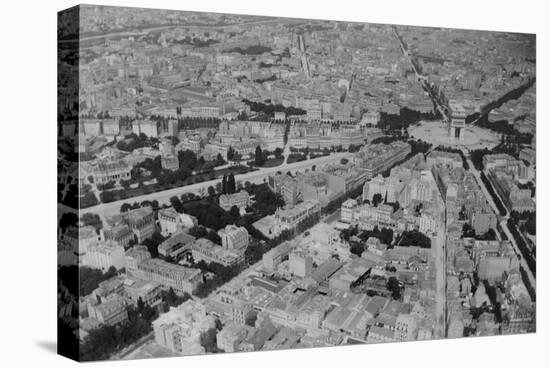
{"type": "Point", "coordinates": [457, 120]}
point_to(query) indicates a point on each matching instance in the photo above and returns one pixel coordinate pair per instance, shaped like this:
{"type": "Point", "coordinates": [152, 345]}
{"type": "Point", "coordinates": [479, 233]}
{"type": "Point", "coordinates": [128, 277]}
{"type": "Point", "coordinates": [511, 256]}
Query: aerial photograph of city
{"type": "Point", "coordinates": [235, 183]}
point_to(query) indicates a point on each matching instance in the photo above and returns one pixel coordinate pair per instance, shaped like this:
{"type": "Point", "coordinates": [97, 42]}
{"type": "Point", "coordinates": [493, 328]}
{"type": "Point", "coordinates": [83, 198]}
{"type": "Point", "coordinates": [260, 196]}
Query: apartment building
{"type": "Point", "coordinates": [104, 254]}
{"type": "Point", "coordinates": [233, 237]}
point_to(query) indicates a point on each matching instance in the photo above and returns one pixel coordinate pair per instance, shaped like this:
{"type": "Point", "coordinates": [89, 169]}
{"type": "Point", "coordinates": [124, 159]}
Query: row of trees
{"type": "Point", "coordinates": [530, 289]}
{"type": "Point", "coordinates": [106, 186]}
{"type": "Point", "coordinates": [336, 203]}
{"type": "Point", "coordinates": [255, 251]}
{"type": "Point", "coordinates": [526, 221]}
{"type": "Point", "coordinates": [195, 41]}
{"type": "Point", "coordinates": [270, 109]}
{"type": "Point", "coordinates": [296, 157]}
{"type": "Point", "coordinates": [477, 157]}
{"type": "Point", "coordinates": [133, 141]}
{"type": "Point", "coordinates": [190, 170]}
{"type": "Point", "coordinates": [125, 207]}
{"type": "Point", "coordinates": [510, 95]}
{"type": "Point", "coordinates": [188, 165]}
{"type": "Point", "coordinates": [527, 254]}
{"type": "Point", "coordinates": [271, 78]}
{"type": "Point", "coordinates": [405, 118]}
{"type": "Point", "coordinates": [505, 147]}
{"type": "Point", "coordinates": [442, 148]}
{"type": "Point", "coordinates": [170, 182]}
{"type": "Point", "coordinates": [419, 146]}
{"type": "Point", "coordinates": [192, 123]}
{"type": "Point", "coordinates": [387, 139]}
{"type": "Point", "coordinates": [251, 50]}
{"type": "Point", "coordinates": [501, 209]}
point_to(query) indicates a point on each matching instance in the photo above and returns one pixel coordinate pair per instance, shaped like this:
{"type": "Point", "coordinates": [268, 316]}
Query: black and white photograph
{"type": "Point", "coordinates": [248, 183]}
{"type": "Point", "coordinates": [235, 182]}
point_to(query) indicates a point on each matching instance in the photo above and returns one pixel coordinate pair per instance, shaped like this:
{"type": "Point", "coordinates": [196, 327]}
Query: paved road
{"type": "Point", "coordinates": [522, 261]}
{"type": "Point", "coordinates": [133, 347]}
{"type": "Point", "coordinates": [238, 280]}
{"type": "Point", "coordinates": [503, 220]}
{"type": "Point", "coordinates": [163, 197]}
{"type": "Point", "coordinates": [286, 152]}
{"type": "Point", "coordinates": [334, 217]}
{"type": "Point", "coordinates": [419, 76]}
{"type": "Point", "coordinates": [440, 241]}
{"type": "Point", "coordinates": [480, 183]}
{"type": "Point", "coordinates": [440, 263]}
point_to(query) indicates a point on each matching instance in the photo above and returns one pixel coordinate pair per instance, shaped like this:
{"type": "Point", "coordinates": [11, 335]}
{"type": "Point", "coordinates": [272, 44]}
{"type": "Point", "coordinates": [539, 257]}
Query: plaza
{"type": "Point", "coordinates": [437, 133]}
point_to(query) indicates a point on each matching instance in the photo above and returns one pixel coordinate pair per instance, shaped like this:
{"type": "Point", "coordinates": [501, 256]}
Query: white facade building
{"type": "Point", "coordinates": [103, 255]}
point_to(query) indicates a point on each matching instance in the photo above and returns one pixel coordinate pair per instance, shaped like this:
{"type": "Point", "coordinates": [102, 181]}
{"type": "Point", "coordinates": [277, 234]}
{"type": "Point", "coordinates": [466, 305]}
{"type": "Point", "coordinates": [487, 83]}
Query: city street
{"type": "Point", "coordinates": [440, 259]}
{"type": "Point", "coordinates": [163, 197]}
{"type": "Point", "coordinates": [503, 220]}
{"type": "Point", "coordinates": [132, 348]}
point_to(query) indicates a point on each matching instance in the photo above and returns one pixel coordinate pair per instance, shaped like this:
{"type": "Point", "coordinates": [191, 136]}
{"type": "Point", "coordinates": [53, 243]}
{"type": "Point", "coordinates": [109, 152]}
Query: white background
{"type": "Point", "coordinates": [28, 180]}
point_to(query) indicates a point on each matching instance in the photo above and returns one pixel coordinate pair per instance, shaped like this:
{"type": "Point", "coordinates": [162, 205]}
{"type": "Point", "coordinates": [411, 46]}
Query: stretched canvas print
{"type": "Point", "coordinates": [235, 183]}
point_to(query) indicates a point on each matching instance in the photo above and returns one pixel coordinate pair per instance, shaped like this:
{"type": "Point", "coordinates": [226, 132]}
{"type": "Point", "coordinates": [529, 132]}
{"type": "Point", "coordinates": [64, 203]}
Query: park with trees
{"type": "Point", "coordinates": [191, 170]}
{"type": "Point", "coordinates": [413, 238]}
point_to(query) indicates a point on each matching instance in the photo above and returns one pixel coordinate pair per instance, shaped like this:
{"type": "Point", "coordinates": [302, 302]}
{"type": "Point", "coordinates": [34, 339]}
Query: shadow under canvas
{"type": "Point", "coordinates": [50, 346]}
